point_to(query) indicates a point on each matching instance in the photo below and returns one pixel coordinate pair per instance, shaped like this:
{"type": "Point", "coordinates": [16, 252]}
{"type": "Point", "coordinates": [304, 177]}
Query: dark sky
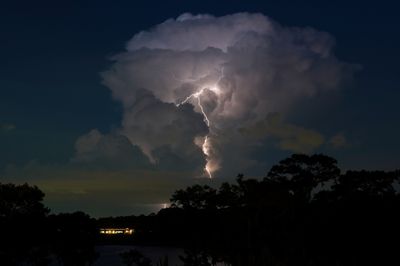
{"type": "Point", "coordinates": [51, 95]}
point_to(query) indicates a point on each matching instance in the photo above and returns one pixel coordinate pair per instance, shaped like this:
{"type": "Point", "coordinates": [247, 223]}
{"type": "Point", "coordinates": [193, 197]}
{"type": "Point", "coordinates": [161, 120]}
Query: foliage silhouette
{"type": "Point", "coordinates": [30, 236]}
{"type": "Point", "coordinates": [303, 212]}
{"type": "Point", "coordinates": [195, 197]}
{"type": "Point", "coordinates": [195, 258]}
{"type": "Point", "coordinates": [74, 236]}
{"type": "Point", "coordinates": [22, 223]}
{"type": "Point", "coordinates": [164, 261]}
{"type": "Point", "coordinates": [301, 173]}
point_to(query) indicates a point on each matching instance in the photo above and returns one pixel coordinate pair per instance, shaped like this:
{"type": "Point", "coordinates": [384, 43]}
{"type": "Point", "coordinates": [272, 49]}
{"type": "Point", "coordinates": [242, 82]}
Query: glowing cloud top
{"type": "Point", "coordinates": [196, 86]}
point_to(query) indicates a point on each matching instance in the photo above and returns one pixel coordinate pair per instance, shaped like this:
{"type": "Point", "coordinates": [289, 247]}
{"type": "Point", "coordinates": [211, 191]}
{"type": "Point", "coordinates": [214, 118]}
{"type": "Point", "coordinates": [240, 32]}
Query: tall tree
{"type": "Point", "coordinates": [302, 173]}
{"type": "Point", "coordinates": [24, 234]}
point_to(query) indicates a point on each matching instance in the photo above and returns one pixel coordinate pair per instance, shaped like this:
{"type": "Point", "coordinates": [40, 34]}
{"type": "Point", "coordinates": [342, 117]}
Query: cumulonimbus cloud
{"type": "Point", "coordinates": [238, 68]}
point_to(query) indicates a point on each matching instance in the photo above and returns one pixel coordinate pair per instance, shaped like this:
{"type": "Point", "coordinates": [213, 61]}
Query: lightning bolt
{"type": "Point", "coordinates": [206, 146]}
{"type": "Point", "coordinates": [197, 95]}
{"type": "Point", "coordinates": [206, 150]}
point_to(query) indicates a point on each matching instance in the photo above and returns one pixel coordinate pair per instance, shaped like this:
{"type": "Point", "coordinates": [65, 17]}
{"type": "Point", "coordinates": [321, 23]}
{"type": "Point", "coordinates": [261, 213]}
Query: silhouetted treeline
{"type": "Point", "coordinates": [30, 236]}
{"type": "Point", "coordinates": [303, 212]}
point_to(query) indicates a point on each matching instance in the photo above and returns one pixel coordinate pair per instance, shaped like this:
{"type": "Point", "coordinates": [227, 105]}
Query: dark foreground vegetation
{"type": "Point", "coordinates": [32, 236]}
{"type": "Point", "coordinates": [303, 212]}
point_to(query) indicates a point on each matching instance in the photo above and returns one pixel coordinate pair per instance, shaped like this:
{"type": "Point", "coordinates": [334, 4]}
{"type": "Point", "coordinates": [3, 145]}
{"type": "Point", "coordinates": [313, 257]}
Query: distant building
{"type": "Point", "coordinates": [117, 231]}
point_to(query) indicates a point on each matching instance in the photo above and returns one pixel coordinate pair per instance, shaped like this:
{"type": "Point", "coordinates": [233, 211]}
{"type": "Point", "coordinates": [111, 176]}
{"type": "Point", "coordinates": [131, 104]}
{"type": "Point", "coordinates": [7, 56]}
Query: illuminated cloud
{"type": "Point", "coordinates": [246, 65]}
{"type": "Point", "coordinates": [108, 150]}
{"type": "Point", "coordinates": [155, 126]}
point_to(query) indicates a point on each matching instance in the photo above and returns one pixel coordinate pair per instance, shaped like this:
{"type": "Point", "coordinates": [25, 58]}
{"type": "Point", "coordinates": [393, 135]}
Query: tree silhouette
{"type": "Point", "coordinates": [21, 200]}
{"type": "Point", "coordinates": [24, 234]}
{"type": "Point", "coordinates": [195, 258]}
{"type": "Point", "coordinates": [301, 173]}
{"type": "Point", "coordinates": [369, 183]}
{"type": "Point", "coordinates": [30, 236]}
{"type": "Point", "coordinates": [195, 197]}
{"type": "Point", "coordinates": [229, 196]}
{"type": "Point", "coordinates": [304, 212]}
{"type": "Point", "coordinates": [74, 238]}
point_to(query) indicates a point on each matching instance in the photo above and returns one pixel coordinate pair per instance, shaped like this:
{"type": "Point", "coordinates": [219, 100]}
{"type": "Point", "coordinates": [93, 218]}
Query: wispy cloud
{"type": "Point", "coordinates": [7, 127]}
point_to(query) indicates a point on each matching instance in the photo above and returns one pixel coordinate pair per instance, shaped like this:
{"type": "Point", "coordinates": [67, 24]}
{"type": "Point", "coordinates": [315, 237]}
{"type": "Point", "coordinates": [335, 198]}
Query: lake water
{"type": "Point", "coordinates": [109, 255]}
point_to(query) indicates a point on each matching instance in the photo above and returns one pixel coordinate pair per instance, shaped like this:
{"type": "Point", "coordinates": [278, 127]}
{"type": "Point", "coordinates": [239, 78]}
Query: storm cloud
{"type": "Point", "coordinates": [248, 72]}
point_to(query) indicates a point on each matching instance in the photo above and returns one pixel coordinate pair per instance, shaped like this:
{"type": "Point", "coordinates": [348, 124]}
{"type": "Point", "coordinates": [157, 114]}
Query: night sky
{"type": "Point", "coordinates": [90, 110]}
